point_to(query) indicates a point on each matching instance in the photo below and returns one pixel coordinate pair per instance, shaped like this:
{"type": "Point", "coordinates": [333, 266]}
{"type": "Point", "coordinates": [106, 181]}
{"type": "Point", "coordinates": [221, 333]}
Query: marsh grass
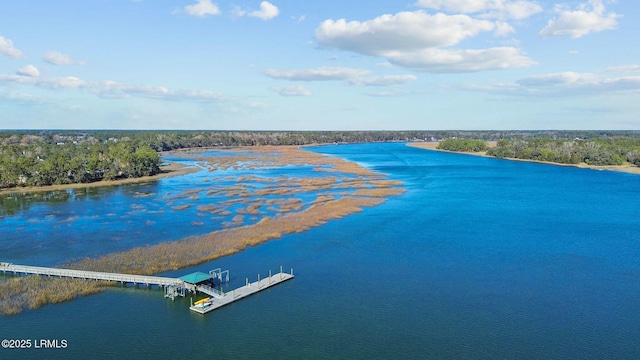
{"type": "Point", "coordinates": [32, 292]}
{"type": "Point", "coordinates": [359, 188]}
{"type": "Point", "coordinates": [181, 207]}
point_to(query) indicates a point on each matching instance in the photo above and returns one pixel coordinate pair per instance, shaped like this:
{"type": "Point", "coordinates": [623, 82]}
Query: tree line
{"type": "Point", "coordinates": [607, 151]}
{"type": "Point", "coordinates": [466, 145]}
{"type": "Point", "coordinates": [165, 140]}
{"type": "Point", "coordinates": [47, 157]}
{"type": "Point", "coordinates": [40, 163]}
{"type": "Point", "coordinates": [596, 151]}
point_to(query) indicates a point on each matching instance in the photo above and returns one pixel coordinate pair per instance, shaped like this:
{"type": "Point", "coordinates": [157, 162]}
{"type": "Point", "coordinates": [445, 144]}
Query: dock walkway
{"type": "Point", "coordinates": [91, 275]}
{"type": "Point", "coordinates": [242, 292]}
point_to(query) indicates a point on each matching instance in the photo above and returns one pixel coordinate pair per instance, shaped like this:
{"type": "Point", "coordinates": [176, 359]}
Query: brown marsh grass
{"type": "Point", "coordinates": [181, 207]}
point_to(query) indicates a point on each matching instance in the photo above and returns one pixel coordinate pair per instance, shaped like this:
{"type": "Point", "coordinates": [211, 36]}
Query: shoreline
{"type": "Point", "coordinates": [170, 170]}
{"type": "Point", "coordinates": [628, 168]}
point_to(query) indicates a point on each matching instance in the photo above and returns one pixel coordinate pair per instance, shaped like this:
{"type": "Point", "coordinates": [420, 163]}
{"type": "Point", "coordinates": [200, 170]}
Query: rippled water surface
{"type": "Point", "coordinates": [479, 259]}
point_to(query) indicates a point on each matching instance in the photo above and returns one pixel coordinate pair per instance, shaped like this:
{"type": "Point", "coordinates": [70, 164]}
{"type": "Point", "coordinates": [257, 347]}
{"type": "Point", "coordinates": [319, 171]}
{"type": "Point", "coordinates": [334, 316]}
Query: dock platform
{"type": "Point", "coordinates": [242, 292]}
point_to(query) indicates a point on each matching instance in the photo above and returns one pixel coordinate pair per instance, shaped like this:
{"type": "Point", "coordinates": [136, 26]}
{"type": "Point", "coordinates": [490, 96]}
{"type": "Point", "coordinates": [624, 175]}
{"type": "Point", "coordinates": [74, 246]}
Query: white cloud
{"type": "Point", "coordinates": [7, 48]}
{"type": "Point", "coordinates": [291, 90]}
{"type": "Point", "coordinates": [299, 19]}
{"type": "Point", "coordinates": [237, 11]}
{"type": "Point", "coordinates": [567, 83]}
{"type": "Point", "coordinates": [623, 68]}
{"type": "Point", "coordinates": [516, 10]}
{"type": "Point", "coordinates": [503, 29]}
{"type": "Point", "coordinates": [563, 78]}
{"type": "Point", "coordinates": [267, 11]}
{"type": "Point", "coordinates": [386, 80]}
{"type": "Point", "coordinates": [395, 92]}
{"type": "Point", "coordinates": [202, 8]}
{"type": "Point", "coordinates": [318, 74]}
{"type": "Point", "coordinates": [503, 9]}
{"type": "Point", "coordinates": [413, 39]}
{"type": "Point", "coordinates": [571, 83]}
{"type": "Point", "coordinates": [57, 58]}
{"type": "Point", "coordinates": [401, 32]}
{"type": "Point", "coordinates": [115, 90]}
{"type": "Point", "coordinates": [29, 70]}
{"type": "Point", "coordinates": [459, 61]}
{"type": "Point", "coordinates": [588, 18]}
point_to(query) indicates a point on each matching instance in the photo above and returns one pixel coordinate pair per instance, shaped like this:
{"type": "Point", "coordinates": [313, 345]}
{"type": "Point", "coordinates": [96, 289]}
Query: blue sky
{"type": "Point", "coordinates": [319, 65]}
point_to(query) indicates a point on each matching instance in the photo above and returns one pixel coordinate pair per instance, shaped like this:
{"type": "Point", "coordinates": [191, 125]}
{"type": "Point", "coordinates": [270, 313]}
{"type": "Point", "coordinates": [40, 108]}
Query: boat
{"type": "Point", "coordinates": [201, 301]}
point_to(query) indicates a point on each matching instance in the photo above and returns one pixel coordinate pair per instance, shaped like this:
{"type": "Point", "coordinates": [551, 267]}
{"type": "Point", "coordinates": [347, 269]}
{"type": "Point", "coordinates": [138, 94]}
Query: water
{"type": "Point", "coordinates": [480, 258]}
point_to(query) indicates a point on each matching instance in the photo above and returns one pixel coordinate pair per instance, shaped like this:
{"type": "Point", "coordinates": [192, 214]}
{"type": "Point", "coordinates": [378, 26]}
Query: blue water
{"type": "Point", "coordinates": [480, 259]}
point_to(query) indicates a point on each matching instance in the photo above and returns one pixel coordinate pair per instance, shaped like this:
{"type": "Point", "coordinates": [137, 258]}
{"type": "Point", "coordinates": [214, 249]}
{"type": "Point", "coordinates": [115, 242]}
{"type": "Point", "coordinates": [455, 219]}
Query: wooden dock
{"type": "Point", "coordinates": [242, 292]}
{"type": "Point", "coordinates": [91, 275]}
{"type": "Point", "coordinates": [173, 287]}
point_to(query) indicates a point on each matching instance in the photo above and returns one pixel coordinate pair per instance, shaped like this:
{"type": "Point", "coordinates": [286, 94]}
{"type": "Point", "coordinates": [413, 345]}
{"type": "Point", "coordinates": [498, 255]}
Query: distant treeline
{"type": "Point", "coordinates": [596, 151]}
{"type": "Point", "coordinates": [46, 157]}
{"type": "Point", "coordinates": [164, 140]}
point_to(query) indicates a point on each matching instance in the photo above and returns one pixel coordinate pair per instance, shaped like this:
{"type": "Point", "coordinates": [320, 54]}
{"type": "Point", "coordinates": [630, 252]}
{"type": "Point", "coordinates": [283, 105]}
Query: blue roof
{"type": "Point", "coordinates": [196, 277]}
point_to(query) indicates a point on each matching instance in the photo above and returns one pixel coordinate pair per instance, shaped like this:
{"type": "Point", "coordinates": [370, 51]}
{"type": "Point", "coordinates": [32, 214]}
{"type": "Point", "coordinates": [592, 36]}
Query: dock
{"type": "Point", "coordinates": [206, 283]}
{"type": "Point", "coordinates": [90, 275]}
{"type": "Point", "coordinates": [219, 300]}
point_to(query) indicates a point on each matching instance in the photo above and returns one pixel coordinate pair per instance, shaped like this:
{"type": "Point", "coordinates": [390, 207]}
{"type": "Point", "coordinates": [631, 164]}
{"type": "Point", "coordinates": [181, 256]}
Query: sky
{"type": "Point", "coordinates": [320, 65]}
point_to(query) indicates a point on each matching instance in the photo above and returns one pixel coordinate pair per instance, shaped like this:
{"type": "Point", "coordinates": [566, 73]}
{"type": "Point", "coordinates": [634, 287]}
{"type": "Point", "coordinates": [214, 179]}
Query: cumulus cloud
{"type": "Point", "coordinates": [267, 11]}
{"type": "Point", "coordinates": [386, 80]}
{"type": "Point", "coordinates": [7, 48]}
{"type": "Point", "coordinates": [57, 58]}
{"type": "Point", "coordinates": [503, 9]}
{"type": "Point", "coordinates": [589, 17]}
{"type": "Point", "coordinates": [318, 74]}
{"type": "Point", "coordinates": [291, 90]}
{"type": "Point", "coordinates": [29, 70]}
{"type": "Point", "coordinates": [415, 39]}
{"type": "Point", "coordinates": [202, 8]}
{"type": "Point", "coordinates": [401, 32]}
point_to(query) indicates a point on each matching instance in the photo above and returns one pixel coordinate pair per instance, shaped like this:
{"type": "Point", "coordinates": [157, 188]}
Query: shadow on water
{"type": "Point", "coordinates": [16, 202]}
